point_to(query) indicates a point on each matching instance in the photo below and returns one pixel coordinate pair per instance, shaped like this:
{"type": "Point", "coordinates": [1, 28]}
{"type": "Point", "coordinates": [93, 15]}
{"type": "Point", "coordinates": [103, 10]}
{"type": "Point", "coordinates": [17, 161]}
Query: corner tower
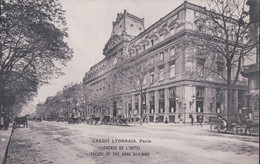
{"type": "Point", "coordinates": [125, 28]}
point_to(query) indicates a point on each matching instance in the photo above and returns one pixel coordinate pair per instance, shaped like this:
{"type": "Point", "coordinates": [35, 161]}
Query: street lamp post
{"type": "Point", "coordinates": [184, 108]}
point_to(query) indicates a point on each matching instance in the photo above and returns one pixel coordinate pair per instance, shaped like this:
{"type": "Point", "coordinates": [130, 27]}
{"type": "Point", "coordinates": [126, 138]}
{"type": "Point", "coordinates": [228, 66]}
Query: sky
{"type": "Point", "coordinates": [89, 25]}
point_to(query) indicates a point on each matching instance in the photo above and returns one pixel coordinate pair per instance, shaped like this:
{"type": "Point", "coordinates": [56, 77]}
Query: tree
{"type": "Point", "coordinates": [134, 77]}
{"type": "Point", "coordinates": [222, 44]}
{"type": "Point", "coordinates": [33, 49]}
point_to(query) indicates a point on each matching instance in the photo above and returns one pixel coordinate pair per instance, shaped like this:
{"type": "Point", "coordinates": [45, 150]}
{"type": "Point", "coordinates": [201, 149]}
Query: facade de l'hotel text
{"type": "Point", "coordinates": [168, 93]}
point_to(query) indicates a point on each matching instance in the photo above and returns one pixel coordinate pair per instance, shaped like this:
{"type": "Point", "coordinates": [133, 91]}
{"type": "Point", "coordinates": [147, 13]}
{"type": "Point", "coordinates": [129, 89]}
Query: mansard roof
{"type": "Point", "coordinates": [113, 40]}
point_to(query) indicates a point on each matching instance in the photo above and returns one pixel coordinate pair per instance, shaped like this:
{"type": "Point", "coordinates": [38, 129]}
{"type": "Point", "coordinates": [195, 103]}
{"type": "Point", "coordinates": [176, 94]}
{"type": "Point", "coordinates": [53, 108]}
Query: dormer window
{"type": "Point", "coordinates": [161, 37]}
{"type": "Point", "coordinates": [201, 28]}
{"type": "Point", "coordinates": [162, 56]}
{"type": "Point", "coordinates": [172, 30]}
{"type": "Point", "coordinates": [152, 42]}
{"type": "Point", "coordinates": [143, 46]}
{"type": "Point", "coordinates": [152, 76]}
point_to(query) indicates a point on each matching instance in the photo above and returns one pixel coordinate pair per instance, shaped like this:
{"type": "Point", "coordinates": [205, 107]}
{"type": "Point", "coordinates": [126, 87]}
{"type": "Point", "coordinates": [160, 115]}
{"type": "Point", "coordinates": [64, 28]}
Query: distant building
{"type": "Point", "coordinates": [251, 68]}
{"type": "Point", "coordinates": [173, 97]}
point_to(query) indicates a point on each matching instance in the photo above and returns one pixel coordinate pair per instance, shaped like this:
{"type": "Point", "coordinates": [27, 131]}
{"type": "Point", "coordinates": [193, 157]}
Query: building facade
{"type": "Point", "coordinates": [170, 92]}
{"type": "Point", "coordinates": [251, 68]}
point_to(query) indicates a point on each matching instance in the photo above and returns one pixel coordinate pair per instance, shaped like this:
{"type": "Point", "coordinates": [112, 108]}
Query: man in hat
{"type": "Point", "coordinates": [6, 122]}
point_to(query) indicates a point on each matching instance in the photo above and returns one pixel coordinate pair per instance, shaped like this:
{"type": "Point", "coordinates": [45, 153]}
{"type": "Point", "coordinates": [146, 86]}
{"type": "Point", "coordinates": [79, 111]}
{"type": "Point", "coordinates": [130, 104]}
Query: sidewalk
{"type": "Point", "coordinates": [5, 136]}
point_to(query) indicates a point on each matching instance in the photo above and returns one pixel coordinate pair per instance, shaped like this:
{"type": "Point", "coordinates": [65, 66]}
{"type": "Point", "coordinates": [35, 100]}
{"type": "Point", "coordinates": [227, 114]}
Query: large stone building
{"type": "Point", "coordinates": [251, 68]}
{"type": "Point", "coordinates": [169, 93]}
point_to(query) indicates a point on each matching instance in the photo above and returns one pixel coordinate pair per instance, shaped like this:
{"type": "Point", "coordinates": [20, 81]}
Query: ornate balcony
{"type": "Point", "coordinates": [250, 70]}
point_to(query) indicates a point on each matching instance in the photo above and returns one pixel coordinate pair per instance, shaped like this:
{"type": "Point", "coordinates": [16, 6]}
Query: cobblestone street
{"type": "Point", "coordinates": [60, 142]}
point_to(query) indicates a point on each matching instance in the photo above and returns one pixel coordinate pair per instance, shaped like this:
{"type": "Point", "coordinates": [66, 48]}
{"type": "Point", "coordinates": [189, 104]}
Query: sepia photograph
{"type": "Point", "coordinates": [129, 82]}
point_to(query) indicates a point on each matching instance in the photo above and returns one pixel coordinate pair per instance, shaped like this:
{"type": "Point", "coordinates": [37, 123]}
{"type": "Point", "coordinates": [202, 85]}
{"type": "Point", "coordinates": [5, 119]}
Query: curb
{"type": "Point", "coordinates": [7, 147]}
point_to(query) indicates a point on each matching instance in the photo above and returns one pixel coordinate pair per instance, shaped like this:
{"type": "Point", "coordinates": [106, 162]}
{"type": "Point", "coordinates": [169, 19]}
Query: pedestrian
{"type": "Point", "coordinates": [192, 120]}
{"type": "Point", "coordinates": [6, 122]}
{"type": "Point", "coordinates": [166, 120]}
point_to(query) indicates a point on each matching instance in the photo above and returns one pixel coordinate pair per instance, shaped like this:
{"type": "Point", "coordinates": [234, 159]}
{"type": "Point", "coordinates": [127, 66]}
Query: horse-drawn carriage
{"type": "Point", "coordinates": [61, 118]}
{"type": "Point", "coordinates": [236, 125]}
{"type": "Point", "coordinates": [94, 120]}
{"type": "Point", "coordinates": [23, 120]}
{"type": "Point", "coordinates": [74, 118]}
{"type": "Point", "coordinates": [123, 121]}
{"type": "Point", "coordinates": [38, 118]}
{"type": "Point", "coordinates": [106, 120]}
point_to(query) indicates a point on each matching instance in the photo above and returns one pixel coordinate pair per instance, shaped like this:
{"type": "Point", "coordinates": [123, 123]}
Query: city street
{"type": "Point", "coordinates": [60, 142]}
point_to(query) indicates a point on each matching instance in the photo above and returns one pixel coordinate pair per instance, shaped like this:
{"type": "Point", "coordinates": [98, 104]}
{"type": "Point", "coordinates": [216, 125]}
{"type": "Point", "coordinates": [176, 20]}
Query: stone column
{"type": "Point", "coordinates": [133, 104]}
{"type": "Point", "coordinates": [139, 106]}
{"type": "Point", "coordinates": [167, 95]}
{"type": "Point", "coordinates": [147, 103]}
{"type": "Point", "coordinates": [156, 106]}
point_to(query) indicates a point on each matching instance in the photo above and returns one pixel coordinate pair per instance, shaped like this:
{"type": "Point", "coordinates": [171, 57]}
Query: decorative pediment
{"type": "Point", "coordinates": [154, 35]}
{"type": "Point", "coordinates": [145, 41]}
{"type": "Point", "coordinates": [113, 41]}
{"type": "Point", "coordinates": [138, 46]}
{"type": "Point", "coordinates": [173, 23]}
{"type": "Point", "coordinates": [164, 30]}
{"type": "Point", "coordinates": [131, 50]}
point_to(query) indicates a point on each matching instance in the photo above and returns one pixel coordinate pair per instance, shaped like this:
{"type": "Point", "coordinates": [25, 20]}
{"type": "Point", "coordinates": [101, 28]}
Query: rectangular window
{"type": "Point", "coordinates": [130, 107]}
{"type": "Point", "coordinates": [199, 99]}
{"type": "Point", "coordinates": [172, 51]}
{"type": "Point", "coordinates": [152, 106]}
{"type": "Point", "coordinates": [152, 42]}
{"type": "Point", "coordinates": [143, 46]}
{"type": "Point", "coordinates": [201, 28]}
{"type": "Point", "coordinates": [152, 98]}
{"type": "Point", "coordinates": [137, 103]}
{"type": "Point", "coordinates": [161, 72]}
{"type": "Point", "coordinates": [152, 77]}
{"type": "Point", "coordinates": [172, 70]}
{"type": "Point", "coordinates": [161, 106]}
{"type": "Point", "coordinates": [199, 106]}
{"type": "Point", "coordinates": [218, 107]}
{"type": "Point", "coordinates": [144, 103]}
{"type": "Point", "coordinates": [161, 92]}
{"type": "Point", "coordinates": [162, 56]}
{"type": "Point", "coordinates": [199, 92]}
{"type": "Point", "coordinates": [240, 99]}
{"type": "Point", "coordinates": [218, 94]}
{"type": "Point", "coordinates": [172, 100]}
{"type": "Point", "coordinates": [152, 102]}
{"type": "Point", "coordinates": [172, 105]}
{"type": "Point", "coordinates": [200, 66]}
{"type": "Point", "coordinates": [220, 68]}
{"type": "Point", "coordinates": [130, 111]}
{"type": "Point", "coordinates": [172, 92]}
{"type": "Point", "coordinates": [161, 101]}
{"type": "Point", "coordinates": [136, 50]}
